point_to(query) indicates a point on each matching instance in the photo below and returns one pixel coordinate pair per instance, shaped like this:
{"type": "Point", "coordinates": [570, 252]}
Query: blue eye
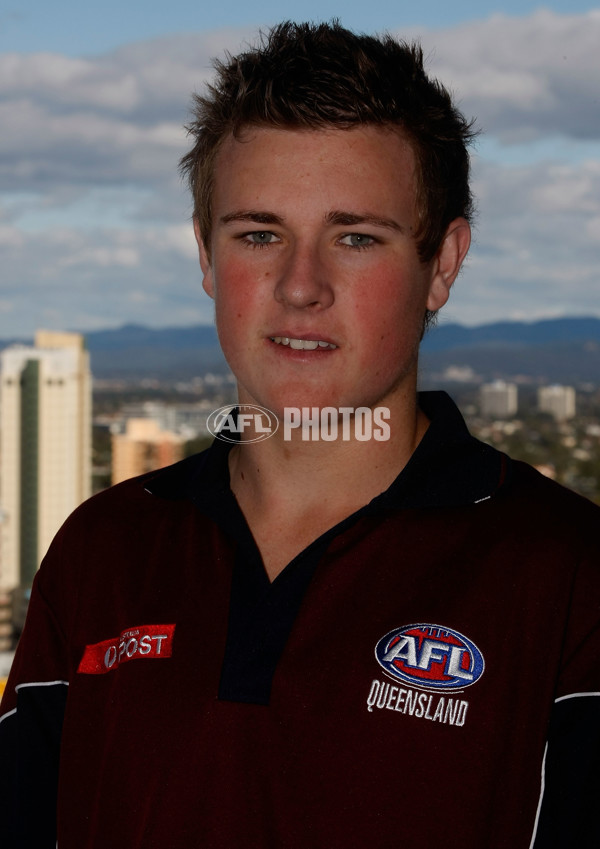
{"type": "Point", "coordinates": [357, 240]}
{"type": "Point", "coordinates": [260, 237]}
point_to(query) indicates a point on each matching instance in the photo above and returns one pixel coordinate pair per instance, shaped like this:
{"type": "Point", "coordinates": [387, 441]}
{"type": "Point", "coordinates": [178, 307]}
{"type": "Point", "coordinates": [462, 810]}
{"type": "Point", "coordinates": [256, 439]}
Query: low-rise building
{"type": "Point", "coordinates": [143, 447]}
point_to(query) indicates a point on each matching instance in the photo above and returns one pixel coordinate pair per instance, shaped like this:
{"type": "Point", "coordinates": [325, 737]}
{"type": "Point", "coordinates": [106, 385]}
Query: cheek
{"type": "Point", "coordinates": [391, 314]}
{"type": "Point", "coordinates": [239, 310]}
{"type": "Point", "coordinates": [236, 290]}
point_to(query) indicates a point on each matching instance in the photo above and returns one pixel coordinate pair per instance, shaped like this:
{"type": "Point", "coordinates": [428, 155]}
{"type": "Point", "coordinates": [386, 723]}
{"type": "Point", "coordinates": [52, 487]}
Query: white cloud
{"type": "Point", "coordinates": [534, 253]}
{"type": "Point", "coordinates": [11, 237]}
{"type": "Point", "coordinates": [89, 279]}
{"type": "Point", "coordinates": [525, 77]}
{"type": "Point", "coordinates": [94, 222]}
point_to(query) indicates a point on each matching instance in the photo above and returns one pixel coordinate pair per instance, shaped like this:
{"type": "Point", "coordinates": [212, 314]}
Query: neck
{"type": "Point", "coordinates": [291, 491]}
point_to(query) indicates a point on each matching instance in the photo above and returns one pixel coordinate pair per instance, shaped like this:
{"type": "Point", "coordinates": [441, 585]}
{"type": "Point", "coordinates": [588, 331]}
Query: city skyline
{"type": "Point", "coordinates": [45, 447]}
{"type": "Point", "coordinates": [94, 221]}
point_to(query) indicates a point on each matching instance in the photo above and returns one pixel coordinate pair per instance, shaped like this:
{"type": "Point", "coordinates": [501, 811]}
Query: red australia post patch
{"type": "Point", "coordinates": [150, 641]}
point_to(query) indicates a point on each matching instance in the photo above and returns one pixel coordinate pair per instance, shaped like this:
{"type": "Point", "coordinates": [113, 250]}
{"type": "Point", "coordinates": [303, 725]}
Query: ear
{"type": "Point", "coordinates": [447, 262]}
{"type": "Point", "coordinates": [205, 264]}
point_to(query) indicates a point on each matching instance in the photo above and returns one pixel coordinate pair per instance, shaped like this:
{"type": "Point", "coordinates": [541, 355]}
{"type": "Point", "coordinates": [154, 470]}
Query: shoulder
{"type": "Point", "coordinates": [147, 491]}
{"type": "Point", "coordinates": [125, 516]}
{"type": "Point", "coordinates": [536, 521]}
{"type": "Point", "coordinates": [539, 496]}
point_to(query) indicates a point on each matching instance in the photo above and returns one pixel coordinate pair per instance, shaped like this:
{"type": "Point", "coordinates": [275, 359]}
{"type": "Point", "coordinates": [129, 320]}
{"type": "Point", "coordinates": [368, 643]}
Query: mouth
{"type": "Point", "coordinates": [302, 344]}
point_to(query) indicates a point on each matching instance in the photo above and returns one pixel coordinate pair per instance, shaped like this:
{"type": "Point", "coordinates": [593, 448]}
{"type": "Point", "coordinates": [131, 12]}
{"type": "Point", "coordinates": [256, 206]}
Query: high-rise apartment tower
{"type": "Point", "coordinates": [45, 447]}
{"type": "Point", "coordinates": [559, 401]}
{"type": "Point", "coordinates": [499, 399]}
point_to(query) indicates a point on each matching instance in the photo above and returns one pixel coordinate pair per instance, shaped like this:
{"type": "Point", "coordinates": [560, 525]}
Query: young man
{"type": "Point", "coordinates": [318, 642]}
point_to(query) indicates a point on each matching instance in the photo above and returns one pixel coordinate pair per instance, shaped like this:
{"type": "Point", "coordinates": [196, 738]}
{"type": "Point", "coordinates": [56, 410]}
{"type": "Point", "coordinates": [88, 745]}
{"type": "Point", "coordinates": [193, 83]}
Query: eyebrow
{"type": "Point", "coordinates": [252, 215]}
{"type": "Point", "coordinates": [339, 217]}
{"type": "Point", "coordinates": [349, 219]}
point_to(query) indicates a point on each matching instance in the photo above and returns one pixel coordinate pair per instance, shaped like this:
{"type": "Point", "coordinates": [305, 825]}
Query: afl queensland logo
{"type": "Point", "coordinates": [430, 657]}
{"type": "Point", "coordinates": [247, 422]}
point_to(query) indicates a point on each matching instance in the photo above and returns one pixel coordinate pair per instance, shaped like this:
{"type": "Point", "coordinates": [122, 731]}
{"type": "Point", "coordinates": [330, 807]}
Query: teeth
{"type": "Point", "coordinates": [302, 344]}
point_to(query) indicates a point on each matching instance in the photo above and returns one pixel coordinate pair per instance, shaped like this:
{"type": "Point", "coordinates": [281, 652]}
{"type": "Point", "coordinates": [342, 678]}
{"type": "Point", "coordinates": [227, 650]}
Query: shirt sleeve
{"type": "Point", "coordinates": [31, 717]}
{"type": "Point", "coordinates": [568, 811]}
{"type": "Point", "coordinates": [568, 816]}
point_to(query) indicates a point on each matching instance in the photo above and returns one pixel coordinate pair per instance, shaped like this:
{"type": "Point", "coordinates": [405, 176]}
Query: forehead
{"type": "Point", "coordinates": [364, 165]}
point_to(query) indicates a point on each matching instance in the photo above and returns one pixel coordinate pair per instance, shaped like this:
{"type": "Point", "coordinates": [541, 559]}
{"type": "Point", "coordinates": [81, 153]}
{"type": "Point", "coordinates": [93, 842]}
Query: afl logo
{"type": "Point", "coordinates": [430, 657]}
{"type": "Point", "coordinates": [230, 423]}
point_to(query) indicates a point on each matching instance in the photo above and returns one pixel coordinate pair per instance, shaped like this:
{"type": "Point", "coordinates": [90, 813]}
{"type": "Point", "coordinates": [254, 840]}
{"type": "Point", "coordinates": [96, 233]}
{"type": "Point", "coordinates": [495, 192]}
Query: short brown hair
{"type": "Point", "coordinates": [319, 76]}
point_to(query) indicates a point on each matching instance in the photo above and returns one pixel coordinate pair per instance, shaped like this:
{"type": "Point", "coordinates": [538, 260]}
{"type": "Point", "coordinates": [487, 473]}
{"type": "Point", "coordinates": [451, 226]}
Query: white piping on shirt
{"type": "Point", "coordinates": [6, 715]}
{"type": "Point", "coordinates": [543, 777]}
{"type": "Point", "coordinates": [32, 684]}
{"type": "Point", "coordinates": [574, 696]}
{"type": "Point", "coordinates": [40, 684]}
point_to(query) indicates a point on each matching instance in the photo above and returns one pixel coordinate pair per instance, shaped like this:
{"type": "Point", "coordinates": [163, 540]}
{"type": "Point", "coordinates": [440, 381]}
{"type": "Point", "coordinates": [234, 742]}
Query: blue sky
{"type": "Point", "coordinates": [76, 28]}
{"type": "Point", "coordinates": [94, 222]}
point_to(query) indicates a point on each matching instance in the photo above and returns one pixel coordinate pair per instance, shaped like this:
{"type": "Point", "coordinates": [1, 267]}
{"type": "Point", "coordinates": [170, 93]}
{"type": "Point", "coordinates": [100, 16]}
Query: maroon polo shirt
{"type": "Point", "coordinates": [425, 674]}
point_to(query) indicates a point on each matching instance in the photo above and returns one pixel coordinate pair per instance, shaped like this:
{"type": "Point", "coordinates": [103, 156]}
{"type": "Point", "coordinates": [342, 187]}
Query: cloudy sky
{"type": "Point", "coordinates": [94, 221]}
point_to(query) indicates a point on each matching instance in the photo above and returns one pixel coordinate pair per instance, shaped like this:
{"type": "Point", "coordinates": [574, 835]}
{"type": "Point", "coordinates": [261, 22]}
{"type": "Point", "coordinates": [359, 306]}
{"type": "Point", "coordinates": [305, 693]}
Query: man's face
{"type": "Point", "coordinates": [319, 291]}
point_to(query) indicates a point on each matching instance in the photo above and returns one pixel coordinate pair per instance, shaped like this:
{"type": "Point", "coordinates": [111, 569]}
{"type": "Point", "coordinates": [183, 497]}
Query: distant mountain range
{"type": "Point", "coordinates": [135, 352]}
{"type": "Point", "coordinates": [504, 334]}
{"type": "Point", "coordinates": [565, 350]}
{"type": "Point", "coordinates": [562, 350]}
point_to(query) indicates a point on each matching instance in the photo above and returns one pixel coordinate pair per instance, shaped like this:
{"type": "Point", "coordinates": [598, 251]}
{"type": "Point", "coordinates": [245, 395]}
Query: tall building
{"type": "Point", "coordinates": [559, 401]}
{"type": "Point", "coordinates": [45, 447]}
{"type": "Point", "coordinates": [142, 448]}
{"type": "Point", "coordinates": [499, 399]}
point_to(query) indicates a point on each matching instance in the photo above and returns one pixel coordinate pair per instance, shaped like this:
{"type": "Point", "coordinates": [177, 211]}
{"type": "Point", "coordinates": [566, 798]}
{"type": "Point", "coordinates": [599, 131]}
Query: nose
{"type": "Point", "coordinates": [303, 281]}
